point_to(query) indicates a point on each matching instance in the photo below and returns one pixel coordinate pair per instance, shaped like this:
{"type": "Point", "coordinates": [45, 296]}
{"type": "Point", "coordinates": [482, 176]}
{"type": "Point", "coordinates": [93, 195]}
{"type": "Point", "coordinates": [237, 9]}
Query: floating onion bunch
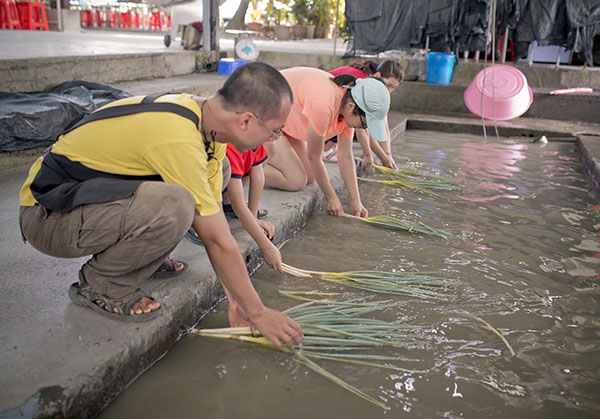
{"type": "Point", "coordinates": [415, 180]}
{"type": "Point", "coordinates": [393, 223]}
{"type": "Point", "coordinates": [337, 333]}
{"type": "Point", "coordinates": [398, 283]}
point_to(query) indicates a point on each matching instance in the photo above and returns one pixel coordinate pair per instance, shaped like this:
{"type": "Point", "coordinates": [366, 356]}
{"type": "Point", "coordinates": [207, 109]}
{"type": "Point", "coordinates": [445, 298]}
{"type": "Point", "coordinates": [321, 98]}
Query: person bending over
{"type": "Point", "coordinates": [126, 183]}
{"type": "Point", "coordinates": [247, 170]}
{"type": "Point", "coordinates": [391, 74]}
{"type": "Point", "coordinates": [325, 106]}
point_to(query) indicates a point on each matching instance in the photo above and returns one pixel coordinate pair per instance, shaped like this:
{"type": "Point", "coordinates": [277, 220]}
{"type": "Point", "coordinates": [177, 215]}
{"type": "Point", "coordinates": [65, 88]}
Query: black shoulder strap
{"type": "Point", "coordinates": [152, 98]}
{"type": "Point", "coordinates": [146, 105]}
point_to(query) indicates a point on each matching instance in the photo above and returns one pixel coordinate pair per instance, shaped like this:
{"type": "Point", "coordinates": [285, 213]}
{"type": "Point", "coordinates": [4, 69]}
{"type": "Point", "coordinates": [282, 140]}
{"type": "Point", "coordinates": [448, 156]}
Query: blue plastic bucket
{"type": "Point", "coordinates": [439, 67]}
{"type": "Point", "coordinates": [228, 65]}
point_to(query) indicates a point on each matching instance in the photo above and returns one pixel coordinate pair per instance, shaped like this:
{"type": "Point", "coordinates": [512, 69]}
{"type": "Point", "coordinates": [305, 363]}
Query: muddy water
{"type": "Point", "coordinates": [527, 263]}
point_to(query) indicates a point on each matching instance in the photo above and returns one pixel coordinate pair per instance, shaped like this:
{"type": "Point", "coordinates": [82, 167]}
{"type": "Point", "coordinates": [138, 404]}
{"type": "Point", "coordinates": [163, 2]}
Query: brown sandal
{"type": "Point", "coordinates": [81, 294]}
{"type": "Point", "coordinates": [167, 269]}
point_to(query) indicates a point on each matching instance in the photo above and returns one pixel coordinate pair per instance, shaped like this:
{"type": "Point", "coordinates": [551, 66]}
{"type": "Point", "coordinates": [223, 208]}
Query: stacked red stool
{"type": "Point", "coordinates": [112, 19]}
{"type": "Point", "coordinates": [9, 16]}
{"type": "Point", "coordinates": [158, 21]}
{"type": "Point", "coordinates": [135, 21]}
{"type": "Point", "coordinates": [125, 20]}
{"type": "Point", "coordinates": [145, 21]}
{"type": "Point", "coordinates": [33, 15]}
{"type": "Point", "coordinates": [86, 18]}
{"type": "Point", "coordinates": [100, 17]}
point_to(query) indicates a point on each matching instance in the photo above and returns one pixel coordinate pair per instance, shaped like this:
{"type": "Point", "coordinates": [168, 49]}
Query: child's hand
{"type": "Point", "coordinates": [267, 227]}
{"type": "Point", "coordinates": [334, 207]}
{"type": "Point", "coordinates": [359, 210]}
{"type": "Point", "coordinates": [368, 160]}
{"type": "Point", "coordinates": [273, 258]}
{"type": "Point", "coordinates": [389, 162]}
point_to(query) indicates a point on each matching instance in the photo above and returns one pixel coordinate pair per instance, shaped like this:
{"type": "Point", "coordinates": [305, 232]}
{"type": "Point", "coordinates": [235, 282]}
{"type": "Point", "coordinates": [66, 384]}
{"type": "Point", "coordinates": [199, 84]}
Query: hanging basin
{"type": "Point", "coordinates": [499, 92]}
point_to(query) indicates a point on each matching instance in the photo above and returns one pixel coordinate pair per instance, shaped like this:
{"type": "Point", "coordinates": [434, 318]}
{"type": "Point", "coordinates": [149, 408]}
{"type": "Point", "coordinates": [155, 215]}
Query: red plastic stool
{"type": "Point", "coordinates": [99, 18]}
{"type": "Point", "coordinates": [125, 21]}
{"type": "Point", "coordinates": [135, 22]}
{"type": "Point", "coordinates": [158, 21]}
{"type": "Point", "coordinates": [112, 20]}
{"type": "Point", "coordinates": [9, 16]}
{"type": "Point", "coordinates": [510, 48]}
{"type": "Point", "coordinates": [86, 18]}
{"type": "Point", "coordinates": [33, 15]}
{"type": "Point", "coordinates": [154, 21]}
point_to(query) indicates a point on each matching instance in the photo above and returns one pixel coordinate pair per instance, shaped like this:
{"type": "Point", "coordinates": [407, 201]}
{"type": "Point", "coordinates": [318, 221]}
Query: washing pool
{"type": "Point", "coordinates": [526, 261]}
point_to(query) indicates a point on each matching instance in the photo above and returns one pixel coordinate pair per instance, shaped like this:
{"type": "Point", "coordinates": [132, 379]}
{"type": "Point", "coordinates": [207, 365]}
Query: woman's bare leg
{"type": "Point", "coordinates": [300, 149]}
{"type": "Point", "coordinates": [284, 169]}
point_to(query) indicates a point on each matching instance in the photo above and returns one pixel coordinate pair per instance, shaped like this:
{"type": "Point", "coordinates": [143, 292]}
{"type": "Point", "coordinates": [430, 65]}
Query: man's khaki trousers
{"type": "Point", "coordinates": [128, 239]}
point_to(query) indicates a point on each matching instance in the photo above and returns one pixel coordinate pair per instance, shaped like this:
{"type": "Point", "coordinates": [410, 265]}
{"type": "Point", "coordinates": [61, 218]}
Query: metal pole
{"type": "Point", "coordinates": [505, 45]}
{"type": "Point", "coordinates": [337, 5]}
{"type": "Point", "coordinates": [59, 14]}
{"type": "Point", "coordinates": [206, 15]}
{"type": "Point", "coordinates": [530, 63]}
{"type": "Point", "coordinates": [215, 16]}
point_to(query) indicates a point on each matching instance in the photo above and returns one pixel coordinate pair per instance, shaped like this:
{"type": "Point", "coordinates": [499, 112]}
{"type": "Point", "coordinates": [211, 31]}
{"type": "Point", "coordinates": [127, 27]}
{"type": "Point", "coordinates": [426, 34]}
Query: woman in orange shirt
{"type": "Point", "coordinates": [390, 72]}
{"type": "Point", "coordinates": [325, 106]}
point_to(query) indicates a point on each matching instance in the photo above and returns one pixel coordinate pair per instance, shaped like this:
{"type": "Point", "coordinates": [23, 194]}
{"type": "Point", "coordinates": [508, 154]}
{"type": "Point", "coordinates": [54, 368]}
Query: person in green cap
{"type": "Point", "coordinates": [325, 106]}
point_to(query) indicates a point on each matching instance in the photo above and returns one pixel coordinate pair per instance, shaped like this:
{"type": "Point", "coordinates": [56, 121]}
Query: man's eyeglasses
{"type": "Point", "coordinates": [276, 133]}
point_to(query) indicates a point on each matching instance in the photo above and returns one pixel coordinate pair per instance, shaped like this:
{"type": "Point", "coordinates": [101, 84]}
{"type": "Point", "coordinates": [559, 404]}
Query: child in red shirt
{"type": "Point", "coordinates": [247, 169]}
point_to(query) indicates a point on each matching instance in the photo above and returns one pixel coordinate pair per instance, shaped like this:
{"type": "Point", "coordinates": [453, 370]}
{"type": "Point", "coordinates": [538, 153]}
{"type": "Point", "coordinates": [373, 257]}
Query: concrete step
{"type": "Point", "coordinates": [519, 127]}
{"type": "Point", "coordinates": [199, 84]}
{"type": "Point", "coordinates": [538, 75]}
{"type": "Point", "coordinates": [423, 98]}
{"type": "Point", "coordinates": [36, 74]}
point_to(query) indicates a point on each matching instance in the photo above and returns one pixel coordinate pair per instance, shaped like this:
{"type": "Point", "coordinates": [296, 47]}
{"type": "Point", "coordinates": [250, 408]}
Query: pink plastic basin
{"type": "Point", "coordinates": [503, 92]}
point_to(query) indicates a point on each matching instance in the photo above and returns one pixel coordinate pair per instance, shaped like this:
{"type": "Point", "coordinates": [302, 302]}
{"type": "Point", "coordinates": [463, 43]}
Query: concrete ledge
{"type": "Point", "coordinates": [415, 97]}
{"type": "Point", "coordinates": [538, 75]}
{"type": "Point", "coordinates": [12, 159]}
{"type": "Point", "coordinates": [520, 127]}
{"type": "Point", "coordinates": [587, 148]}
{"type": "Point", "coordinates": [37, 74]}
{"type": "Point", "coordinates": [200, 84]}
{"type": "Point", "coordinates": [286, 60]}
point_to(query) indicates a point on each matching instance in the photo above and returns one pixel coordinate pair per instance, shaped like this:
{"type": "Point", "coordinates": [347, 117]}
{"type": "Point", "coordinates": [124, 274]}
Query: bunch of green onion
{"type": "Point", "coordinates": [410, 284]}
{"type": "Point", "coordinates": [414, 180]}
{"type": "Point", "coordinates": [393, 223]}
{"type": "Point", "coordinates": [337, 332]}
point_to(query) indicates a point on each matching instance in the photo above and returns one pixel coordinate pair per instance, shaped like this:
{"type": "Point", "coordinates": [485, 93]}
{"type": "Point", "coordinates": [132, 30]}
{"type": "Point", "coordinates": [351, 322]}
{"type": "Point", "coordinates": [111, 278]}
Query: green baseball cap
{"type": "Point", "coordinates": [373, 98]}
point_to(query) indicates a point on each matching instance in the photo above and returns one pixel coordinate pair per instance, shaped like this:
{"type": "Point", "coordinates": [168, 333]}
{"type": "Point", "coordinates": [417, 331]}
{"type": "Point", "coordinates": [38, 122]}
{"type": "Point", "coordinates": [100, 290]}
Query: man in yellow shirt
{"type": "Point", "coordinates": [125, 183]}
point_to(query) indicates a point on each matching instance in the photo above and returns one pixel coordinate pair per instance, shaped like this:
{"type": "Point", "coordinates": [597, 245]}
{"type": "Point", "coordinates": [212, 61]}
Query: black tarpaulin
{"type": "Point", "coordinates": [439, 22]}
{"type": "Point", "coordinates": [463, 25]}
{"type": "Point", "coordinates": [34, 119]}
{"type": "Point", "coordinates": [584, 24]}
{"type": "Point", "coordinates": [471, 24]}
{"type": "Point", "coordinates": [381, 25]}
